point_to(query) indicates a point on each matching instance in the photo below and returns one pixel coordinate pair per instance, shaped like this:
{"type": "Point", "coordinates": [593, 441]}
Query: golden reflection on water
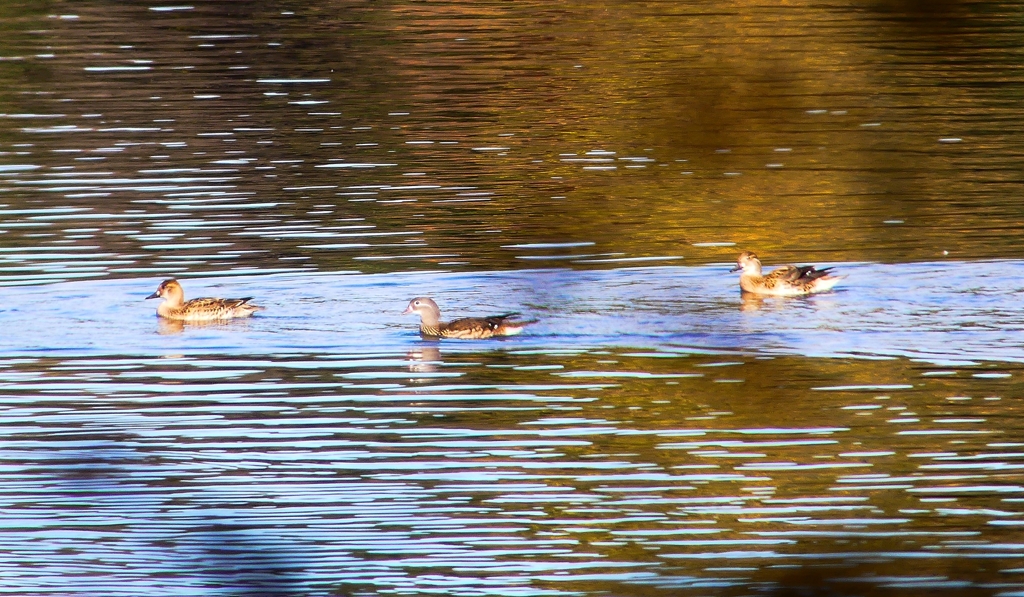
{"type": "Point", "coordinates": [437, 136]}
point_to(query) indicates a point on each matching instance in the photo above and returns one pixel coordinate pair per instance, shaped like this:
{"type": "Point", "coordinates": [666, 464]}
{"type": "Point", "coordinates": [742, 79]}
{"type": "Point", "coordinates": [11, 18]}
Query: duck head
{"type": "Point", "coordinates": [426, 308]}
{"type": "Point", "coordinates": [748, 263]}
{"type": "Point", "coordinates": [171, 291]}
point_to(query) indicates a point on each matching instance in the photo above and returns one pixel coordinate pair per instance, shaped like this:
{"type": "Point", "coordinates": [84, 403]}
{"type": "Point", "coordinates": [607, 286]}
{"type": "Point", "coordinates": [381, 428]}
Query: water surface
{"type": "Point", "coordinates": [597, 166]}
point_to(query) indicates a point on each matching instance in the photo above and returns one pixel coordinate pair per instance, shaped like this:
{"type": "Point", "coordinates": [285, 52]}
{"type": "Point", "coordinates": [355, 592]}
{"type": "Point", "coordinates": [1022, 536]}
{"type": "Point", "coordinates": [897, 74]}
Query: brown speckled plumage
{"type": "Point", "coordinates": [201, 309]}
{"type": "Point", "coordinates": [786, 280]}
{"type": "Point", "coordinates": [468, 328]}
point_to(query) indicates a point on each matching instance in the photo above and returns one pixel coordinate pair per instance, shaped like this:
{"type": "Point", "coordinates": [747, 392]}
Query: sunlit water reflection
{"type": "Point", "coordinates": [201, 139]}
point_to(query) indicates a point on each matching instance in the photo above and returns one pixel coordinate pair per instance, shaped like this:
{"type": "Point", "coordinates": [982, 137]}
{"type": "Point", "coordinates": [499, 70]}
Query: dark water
{"type": "Point", "coordinates": [596, 166]}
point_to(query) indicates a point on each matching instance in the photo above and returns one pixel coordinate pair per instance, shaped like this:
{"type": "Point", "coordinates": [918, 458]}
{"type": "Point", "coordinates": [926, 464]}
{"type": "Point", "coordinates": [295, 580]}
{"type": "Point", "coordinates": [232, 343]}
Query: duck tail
{"type": "Point", "coordinates": [827, 282]}
{"type": "Point", "coordinates": [244, 302]}
{"type": "Point", "coordinates": [513, 327]}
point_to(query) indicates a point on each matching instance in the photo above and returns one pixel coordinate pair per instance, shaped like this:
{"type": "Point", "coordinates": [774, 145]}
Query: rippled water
{"type": "Point", "coordinates": [506, 471]}
{"type": "Point", "coordinates": [653, 430]}
{"type": "Point", "coordinates": [937, 313]}
{"type": "Point", "coordinates": [596, 166]}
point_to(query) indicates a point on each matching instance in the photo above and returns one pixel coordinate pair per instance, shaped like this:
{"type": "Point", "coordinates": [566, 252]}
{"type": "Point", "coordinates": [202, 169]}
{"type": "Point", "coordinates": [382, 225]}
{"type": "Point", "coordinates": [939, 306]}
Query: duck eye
{"type": "Point", "coordinates": [417, 303]}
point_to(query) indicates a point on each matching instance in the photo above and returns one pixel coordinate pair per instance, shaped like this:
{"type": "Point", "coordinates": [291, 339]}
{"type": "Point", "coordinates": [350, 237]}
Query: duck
{"type": "Point", "coordinates": [467, 328]}
{"type": "Point", "coordinates": [175, 307]}
{"type": "Point", "coordinates": [785, 280]}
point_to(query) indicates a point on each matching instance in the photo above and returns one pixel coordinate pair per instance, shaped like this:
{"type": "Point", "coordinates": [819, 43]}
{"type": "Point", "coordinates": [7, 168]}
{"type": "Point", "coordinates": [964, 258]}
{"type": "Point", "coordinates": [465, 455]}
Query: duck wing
{"type": "Point", "coordinates": [202, 304]}
{"type": "Point", "coordinates": [239, 302]}
{"type": "Point", "coordinates": [217, 308]}
{"type": "Point", "coordinates": [809, 273]}
{"type": "Point", "coordinates": [477, 327]}
{"type": "Point", "coordinates": [794, 274]}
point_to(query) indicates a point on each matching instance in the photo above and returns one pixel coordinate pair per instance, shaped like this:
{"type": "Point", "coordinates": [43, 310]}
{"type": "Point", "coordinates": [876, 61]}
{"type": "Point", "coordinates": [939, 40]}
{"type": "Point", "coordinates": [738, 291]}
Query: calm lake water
{"type": "Point", "coordinates": [597, 166]}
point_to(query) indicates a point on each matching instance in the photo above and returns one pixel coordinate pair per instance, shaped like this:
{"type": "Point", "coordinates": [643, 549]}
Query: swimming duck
{"type": "Point", "coordinates": [468, 328]}
{"type": "Point", "coordinates": [200, 309]}
{"type": "Point", "coordinates": [786, 280]}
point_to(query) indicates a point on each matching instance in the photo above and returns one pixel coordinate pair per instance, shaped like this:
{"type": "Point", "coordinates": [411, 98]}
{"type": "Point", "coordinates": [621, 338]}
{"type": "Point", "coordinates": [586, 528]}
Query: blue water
{"type": "Point", "coordinates": [936, 312]}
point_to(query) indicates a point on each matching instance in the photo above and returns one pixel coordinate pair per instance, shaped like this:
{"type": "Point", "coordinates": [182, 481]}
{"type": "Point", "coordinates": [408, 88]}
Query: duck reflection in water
{"type": "Point", "coordinates": [750, 301]}
{"type": "Point", "coordinates": [424, 359]}
{"type": "Point", "coordinates": [167, 327]}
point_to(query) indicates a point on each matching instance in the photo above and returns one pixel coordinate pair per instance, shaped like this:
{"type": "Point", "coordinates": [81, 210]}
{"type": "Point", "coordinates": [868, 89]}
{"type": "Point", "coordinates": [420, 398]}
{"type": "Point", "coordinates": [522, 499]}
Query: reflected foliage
{"type": "Point", "coordinates": [881, 131]}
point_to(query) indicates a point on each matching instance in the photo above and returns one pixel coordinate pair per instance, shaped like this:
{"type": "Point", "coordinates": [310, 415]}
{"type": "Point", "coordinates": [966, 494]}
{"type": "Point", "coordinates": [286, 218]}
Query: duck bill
{"type": "Point", "coordinates": [154, 295]}
{"type": "Point", "coordinates": [408, 310]}
{"type": "Point", "coordinates": [735, 269]}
